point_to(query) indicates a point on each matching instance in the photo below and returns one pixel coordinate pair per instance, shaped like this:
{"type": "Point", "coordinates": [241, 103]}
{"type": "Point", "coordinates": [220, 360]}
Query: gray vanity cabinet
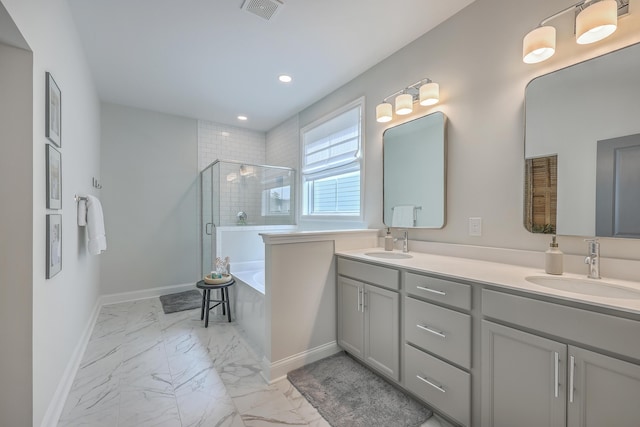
{"type": "Point", "coordinates": [350, 316]}
{"type": "Point", "coordinates": [369, 315]}
{"type": "Point", "coordinates": [606, 391]}
{"type": "Point", "coordinates": [530, 380]}
{"type": "Point", "coordinates": [523, 379]}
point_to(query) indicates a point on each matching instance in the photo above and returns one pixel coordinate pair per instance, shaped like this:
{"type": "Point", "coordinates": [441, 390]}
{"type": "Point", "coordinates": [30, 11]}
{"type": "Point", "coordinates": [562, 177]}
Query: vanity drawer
{"type": "Point", "coordinates": [439, 290]}
{"type": "Point", "coordinates": [436, 382]}
{"type": "Point", "coordinates": [438, 330]}
{"type": "Point", "coordinates": [381, 276]}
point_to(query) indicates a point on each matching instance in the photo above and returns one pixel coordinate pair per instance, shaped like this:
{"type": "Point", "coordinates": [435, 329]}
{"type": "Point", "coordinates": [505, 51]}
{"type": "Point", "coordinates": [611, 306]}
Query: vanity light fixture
{"type": "Point", "coordinates": [425, 91]}
{"type": "Point", "coordinates": [595, 20]}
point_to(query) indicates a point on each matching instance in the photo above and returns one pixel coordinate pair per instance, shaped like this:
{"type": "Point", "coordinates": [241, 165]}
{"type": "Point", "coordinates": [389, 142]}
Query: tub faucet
{"type": "Point", "coordinates": [405, 242]}
{"type": "Point", "coordinates": [593, 259]}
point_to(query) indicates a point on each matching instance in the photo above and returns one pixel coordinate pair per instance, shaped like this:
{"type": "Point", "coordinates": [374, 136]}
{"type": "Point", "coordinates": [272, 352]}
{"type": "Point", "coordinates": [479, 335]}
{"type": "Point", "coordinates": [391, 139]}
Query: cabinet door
{"type": "Point", "coordinates": [382, 330]}
{"type": "Point", "coordinates": [523, 379]}
{"type": "Point", "coordinates": [351, 316]}
{"type": "Point", "coordinates": [606, 391]}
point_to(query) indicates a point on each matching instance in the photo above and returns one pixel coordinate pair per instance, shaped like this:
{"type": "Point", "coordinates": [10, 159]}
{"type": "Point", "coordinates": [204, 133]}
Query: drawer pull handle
{"type": "Point", "coordinates": [433, 291]}
{"type": "Point", "coordinates": [434, 385]}
{"type": "Point", "coordinates": [433, 331]}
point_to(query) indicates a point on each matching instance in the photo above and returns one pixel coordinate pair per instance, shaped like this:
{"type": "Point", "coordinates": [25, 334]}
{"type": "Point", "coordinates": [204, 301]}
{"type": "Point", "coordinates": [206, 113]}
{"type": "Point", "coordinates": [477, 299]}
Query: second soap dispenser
{"type": "Point", "coordinates": [553, 258]}
{"type": "Point", "coordinates": [388, 241]}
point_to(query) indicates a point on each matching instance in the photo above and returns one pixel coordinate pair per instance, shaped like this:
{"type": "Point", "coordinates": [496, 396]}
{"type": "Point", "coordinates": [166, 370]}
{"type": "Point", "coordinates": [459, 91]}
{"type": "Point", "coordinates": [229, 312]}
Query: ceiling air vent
{"type": "Point", "coordinates": [265, 9]}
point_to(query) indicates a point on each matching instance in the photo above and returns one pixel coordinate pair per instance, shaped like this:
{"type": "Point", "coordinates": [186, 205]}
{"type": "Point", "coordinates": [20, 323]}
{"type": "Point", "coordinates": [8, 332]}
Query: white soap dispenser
{"type": "Point", "coordinates": [553, 258]}
{"type": "Point", "coordinates": [388, 241]}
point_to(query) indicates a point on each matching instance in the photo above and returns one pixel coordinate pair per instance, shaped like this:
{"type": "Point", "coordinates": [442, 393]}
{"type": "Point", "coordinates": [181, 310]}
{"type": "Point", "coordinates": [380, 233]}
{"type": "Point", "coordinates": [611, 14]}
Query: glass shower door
{"type": "Point", "coordinates": [207, 228]}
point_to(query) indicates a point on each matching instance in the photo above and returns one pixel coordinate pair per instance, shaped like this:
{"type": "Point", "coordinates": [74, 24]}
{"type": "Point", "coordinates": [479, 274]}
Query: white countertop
{"type": "Point", "coordinates": [501, 275]}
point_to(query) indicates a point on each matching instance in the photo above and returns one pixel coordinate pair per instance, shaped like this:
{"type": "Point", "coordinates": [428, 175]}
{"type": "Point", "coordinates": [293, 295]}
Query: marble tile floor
{"type": "Point", "coordinates": [146, 368]}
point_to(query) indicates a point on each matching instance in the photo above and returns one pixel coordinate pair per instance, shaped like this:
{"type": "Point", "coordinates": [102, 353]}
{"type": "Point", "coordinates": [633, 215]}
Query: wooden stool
{"type": "Point", "coordinates": [225, 301]}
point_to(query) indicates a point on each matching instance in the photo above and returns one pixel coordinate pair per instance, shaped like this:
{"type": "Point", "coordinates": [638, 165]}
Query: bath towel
{"type": "Point", "coordinates": [95, 226]}
{"type": "Point", "coordinates": [403, 216]}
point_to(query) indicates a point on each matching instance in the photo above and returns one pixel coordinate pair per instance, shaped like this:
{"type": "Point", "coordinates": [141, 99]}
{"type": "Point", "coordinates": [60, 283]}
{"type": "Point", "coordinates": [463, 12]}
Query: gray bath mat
{"type": "Point", "coordinates": [181, 301]}
{"type": "Point", "coordinates": [347, 394]}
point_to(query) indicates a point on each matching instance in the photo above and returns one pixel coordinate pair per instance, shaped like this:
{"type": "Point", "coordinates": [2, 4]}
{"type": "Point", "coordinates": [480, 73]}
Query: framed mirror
{"type": "Point", "coordinates": [582, 148]}
{"type": "Point", "coordinates": [414, 173]}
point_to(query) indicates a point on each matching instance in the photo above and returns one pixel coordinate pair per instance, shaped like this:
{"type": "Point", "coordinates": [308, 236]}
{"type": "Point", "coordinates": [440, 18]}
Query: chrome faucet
{"type": "Point", "coordinates": [405, 242]}
{"type": "Point", "coordinates": [593, 259]}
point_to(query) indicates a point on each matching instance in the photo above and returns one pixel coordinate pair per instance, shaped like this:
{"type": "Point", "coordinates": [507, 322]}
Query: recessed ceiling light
{"type": "Point", "coordinates": [243, 118]}
{"type": "Point", "coordinates": [224, 133]}
{"type": "Point", "coordinates": [284, 78]}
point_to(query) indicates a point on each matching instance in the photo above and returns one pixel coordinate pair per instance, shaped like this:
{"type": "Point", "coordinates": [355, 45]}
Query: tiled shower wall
{"type": "Point", "coordinates": [216, 141]}
{"type": "Point", "coordinates": [279, 147]}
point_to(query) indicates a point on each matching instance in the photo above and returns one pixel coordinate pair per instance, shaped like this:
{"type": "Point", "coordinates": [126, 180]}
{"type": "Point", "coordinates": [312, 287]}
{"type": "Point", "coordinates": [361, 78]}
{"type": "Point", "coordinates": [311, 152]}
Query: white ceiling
{"type": "Point", "coordinates": [209, 59]}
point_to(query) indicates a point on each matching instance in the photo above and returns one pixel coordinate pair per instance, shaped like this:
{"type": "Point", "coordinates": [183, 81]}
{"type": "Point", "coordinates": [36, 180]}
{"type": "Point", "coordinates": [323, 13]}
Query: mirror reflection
{"type": "Point", "coordinates": [414, 156]}
{"type": "Point", "coordinates": [580, 115]}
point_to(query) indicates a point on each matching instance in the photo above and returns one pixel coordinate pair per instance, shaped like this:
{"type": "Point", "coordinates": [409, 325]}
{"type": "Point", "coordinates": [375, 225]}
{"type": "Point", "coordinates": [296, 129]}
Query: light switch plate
{"type": "Point", "coordinates": [475, 226]}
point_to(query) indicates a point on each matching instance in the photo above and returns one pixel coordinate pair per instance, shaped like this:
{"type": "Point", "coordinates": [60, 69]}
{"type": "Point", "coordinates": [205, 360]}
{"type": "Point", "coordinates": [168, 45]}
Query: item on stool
{"type": "Point", "coordinates": [224, 300]}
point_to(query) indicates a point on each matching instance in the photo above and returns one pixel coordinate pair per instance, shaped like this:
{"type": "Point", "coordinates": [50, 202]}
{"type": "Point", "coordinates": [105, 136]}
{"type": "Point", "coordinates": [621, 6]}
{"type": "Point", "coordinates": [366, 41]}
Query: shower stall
{"type": "Point", "coordinates": [238, 201]}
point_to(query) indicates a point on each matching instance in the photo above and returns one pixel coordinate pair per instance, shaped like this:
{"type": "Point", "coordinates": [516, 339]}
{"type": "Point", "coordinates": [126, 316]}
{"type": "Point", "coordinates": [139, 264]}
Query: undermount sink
{"type": "Point", "coordinates": [389, 255]}
{"type": "Point", "coordinates": [585, 287]}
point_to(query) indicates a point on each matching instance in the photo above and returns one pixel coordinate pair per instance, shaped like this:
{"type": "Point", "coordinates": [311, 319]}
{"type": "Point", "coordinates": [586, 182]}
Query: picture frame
{"type": "Point", "coordinates": [54, 178]}
{"type": "Point", "coordinates": [53, 111]}
{"type": "Point", "coordinates": [54, 244]}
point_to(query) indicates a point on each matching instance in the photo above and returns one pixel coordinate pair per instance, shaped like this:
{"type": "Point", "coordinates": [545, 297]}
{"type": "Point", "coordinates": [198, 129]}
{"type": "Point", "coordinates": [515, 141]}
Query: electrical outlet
{"type": "Point", "coordinates": [475, 226]}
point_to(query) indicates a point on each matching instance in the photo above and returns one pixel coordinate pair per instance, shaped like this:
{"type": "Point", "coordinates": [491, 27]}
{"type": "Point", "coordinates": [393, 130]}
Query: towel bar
{"type": "Point", "coordinates": [78, 198]}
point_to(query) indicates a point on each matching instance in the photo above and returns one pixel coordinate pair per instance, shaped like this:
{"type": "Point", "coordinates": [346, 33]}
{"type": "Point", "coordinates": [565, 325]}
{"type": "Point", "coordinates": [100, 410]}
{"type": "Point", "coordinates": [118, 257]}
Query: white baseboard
{"type": "Point", "coordinates": [56, 406]}
{"type": "Point", "coordinates": [275, 371]}
{"type": "Point", "coordinates": [145, 293]}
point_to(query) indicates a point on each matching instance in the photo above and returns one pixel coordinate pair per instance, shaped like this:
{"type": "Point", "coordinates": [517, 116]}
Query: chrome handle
{"type": "Point", "coordinates": [358, 306]}
{"type": "Point", "coordinates": [433, 331]}
{"type": "Point", "coordinates": [572, 362]}
{"type": "Point", "coordinates": [208, 228]}
{"type": "Point", "coordinates": [433, 291]}
{"type": "Point", "coordinates": [434, 385]}
{"type": "Point", "coordinates": [364, 300]}
{"type": "Point", "coordinates": [556, 376]}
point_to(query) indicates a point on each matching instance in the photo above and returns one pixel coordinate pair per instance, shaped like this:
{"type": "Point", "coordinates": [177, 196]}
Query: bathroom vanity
{"type": "Point", "coordinates": [489, 344]}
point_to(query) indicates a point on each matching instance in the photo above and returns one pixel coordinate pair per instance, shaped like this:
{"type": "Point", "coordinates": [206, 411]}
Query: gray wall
{"type": "Point", "coordinates": [149, 176]}
{"type": "Point", "coordinates": [476, 58]}
{"type": "Point", "coordinates": [53, 326]}
{"type": "Point", "coordinates": [16, 243]}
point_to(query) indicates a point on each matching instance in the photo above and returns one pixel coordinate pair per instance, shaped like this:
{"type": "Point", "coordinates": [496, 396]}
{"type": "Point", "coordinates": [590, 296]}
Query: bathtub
{"type": "Point", "coordinates": [249, 308]}
{"type": "Point", "coordinates": [252, 278]}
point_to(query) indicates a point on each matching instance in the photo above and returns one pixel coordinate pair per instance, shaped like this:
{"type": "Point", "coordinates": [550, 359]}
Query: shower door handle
{"type": "Point", "coordinates": [208, 228]}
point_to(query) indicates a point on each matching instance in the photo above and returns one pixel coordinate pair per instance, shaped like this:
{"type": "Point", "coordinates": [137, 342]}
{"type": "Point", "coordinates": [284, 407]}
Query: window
{"type": "Point", "coordinates": [331, 164]}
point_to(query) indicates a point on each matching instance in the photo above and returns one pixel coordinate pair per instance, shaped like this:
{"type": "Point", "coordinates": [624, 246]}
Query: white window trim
{"type": "Point", "coordinates": [319, 218]}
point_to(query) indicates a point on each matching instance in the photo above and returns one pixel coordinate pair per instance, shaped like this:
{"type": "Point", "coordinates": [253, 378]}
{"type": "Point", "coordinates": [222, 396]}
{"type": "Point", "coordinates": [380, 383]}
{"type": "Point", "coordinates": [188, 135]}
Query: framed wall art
{"type": "Point", "coordinates": [53, 112]}
{"type": "Point", "coordinates": [54, 178]}
{"type": "Point", "coordinates": [54, 244]}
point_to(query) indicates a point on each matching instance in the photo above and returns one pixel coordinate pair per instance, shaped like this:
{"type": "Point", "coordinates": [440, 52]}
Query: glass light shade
{"type": "Point", "coordinates": [384, 112]}
{"type": "Point", "coordinates": [429, 94]}
{"type": "Point", "coordinates": [596, 22]}
{"type": "Point", "coordinates": [404, 104]}
{"type": "Point", "coordinates": [539, 45]}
